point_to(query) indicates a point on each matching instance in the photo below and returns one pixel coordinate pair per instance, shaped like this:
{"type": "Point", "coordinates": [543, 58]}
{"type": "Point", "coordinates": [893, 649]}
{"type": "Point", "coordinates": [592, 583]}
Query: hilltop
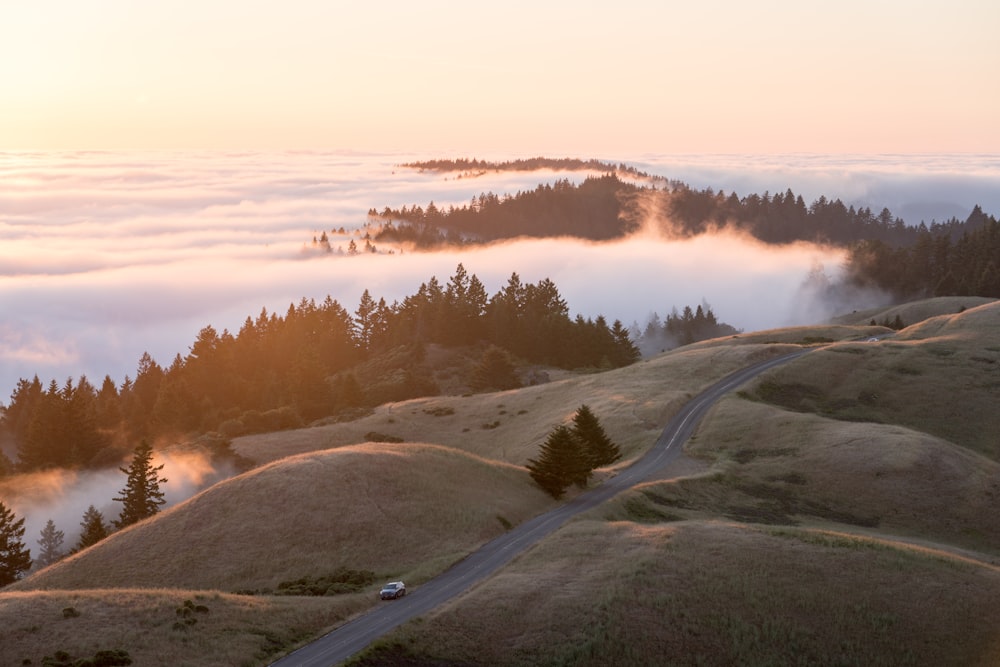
{"type": "Point", "coordinates": [822, 506]}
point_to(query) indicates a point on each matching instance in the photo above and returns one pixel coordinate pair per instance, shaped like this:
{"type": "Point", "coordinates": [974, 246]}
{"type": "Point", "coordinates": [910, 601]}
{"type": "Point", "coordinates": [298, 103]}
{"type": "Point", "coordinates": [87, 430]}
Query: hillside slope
{"type": "Point", "coordinates": [393, 509]}
{"type": "Point", "coordinates": [827, 528]}
{"type": "Point", "coordinates": [843, 515]}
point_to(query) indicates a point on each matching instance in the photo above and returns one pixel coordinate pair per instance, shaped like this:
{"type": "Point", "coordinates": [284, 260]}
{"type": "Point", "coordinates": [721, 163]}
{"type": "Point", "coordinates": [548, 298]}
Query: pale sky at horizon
{"type": "Point", "coordinates": [586, 79]}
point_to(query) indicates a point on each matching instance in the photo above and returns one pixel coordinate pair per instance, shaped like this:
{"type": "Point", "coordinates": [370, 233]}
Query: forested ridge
{"type": "Point", "coordinates": [949, 258]}
{"type": "Point", "coordinates": [316, 360]}
{"type": "Point", "coordinates": [475, 167]}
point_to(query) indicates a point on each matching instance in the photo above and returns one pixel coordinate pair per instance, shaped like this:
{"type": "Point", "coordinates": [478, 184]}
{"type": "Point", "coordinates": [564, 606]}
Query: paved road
{"type": "Point", "coordinates": [357, 634]}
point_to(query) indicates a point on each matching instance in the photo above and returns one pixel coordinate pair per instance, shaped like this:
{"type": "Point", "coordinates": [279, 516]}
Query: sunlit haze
{"type": "Point", "coordinates": [104, 256]}
{"type": "Point", "coordinates": [591, 78]}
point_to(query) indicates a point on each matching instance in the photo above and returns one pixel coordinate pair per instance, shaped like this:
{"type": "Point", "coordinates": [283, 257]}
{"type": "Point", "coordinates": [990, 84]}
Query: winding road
{"type": "Point", "coordinates": [355, 635]}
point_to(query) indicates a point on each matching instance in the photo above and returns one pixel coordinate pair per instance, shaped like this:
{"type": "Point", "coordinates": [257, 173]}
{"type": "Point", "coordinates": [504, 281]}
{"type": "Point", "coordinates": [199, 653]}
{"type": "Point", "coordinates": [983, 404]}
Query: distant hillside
{"type": "Point", "coordinates": [470, 168]}
{"type": "Point", "coordinates": [954, 257]}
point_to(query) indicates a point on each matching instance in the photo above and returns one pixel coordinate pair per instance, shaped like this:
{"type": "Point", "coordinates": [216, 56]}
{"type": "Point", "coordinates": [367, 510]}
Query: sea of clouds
{"type": "Point", "coordinates": [105, 255]}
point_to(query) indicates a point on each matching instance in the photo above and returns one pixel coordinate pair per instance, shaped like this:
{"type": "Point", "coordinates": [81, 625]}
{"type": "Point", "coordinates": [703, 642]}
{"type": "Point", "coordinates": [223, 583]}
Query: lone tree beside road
{"type": "Point", "coordinates": [141, 496]}
{"type": "Point", "coordinates": [598, 445]}
{"type": "Point", "coordinates": [560, 463]}
{"type": "Point", "coordinates": [15, 560]}
{"type": "Point", "coordinates": [570, 455]}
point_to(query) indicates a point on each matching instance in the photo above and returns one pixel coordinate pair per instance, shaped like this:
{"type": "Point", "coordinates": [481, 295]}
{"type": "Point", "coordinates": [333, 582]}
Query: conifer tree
{"type": "Point", "coordinates": [51, 545]}
{"type": "Point", "coordinates": [94, 529]}
{"type": "Point", "coordinates": [495, 370]}
{"type": "Point", "coordinates": [600, 450]}
{"type": "Point", "coordinates": [560, 462]}
{"type": "Point", "coordinates": [141, 498]}
{"type": "Point", "coordinates": [15, 560]}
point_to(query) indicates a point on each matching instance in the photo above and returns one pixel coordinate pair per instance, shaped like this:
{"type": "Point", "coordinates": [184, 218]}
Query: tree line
{"type": "Point", "coordinates": [476, 167]}
{"type": "Point", "coordinates": [680, 328]}
{"type": "Point", "coordinates": [589, 210]}
{"type": "Point", "coordinates": [950, 258]}
{"type": "Point", "coordinates": [312, 362]}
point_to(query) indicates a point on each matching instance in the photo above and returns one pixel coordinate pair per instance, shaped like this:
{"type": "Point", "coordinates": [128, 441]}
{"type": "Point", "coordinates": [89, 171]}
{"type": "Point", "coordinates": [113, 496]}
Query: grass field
{"type": "Point", "coordinates": [841, 510]}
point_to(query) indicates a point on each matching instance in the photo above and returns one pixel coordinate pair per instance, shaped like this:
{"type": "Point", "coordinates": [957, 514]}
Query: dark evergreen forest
{"type": "Point", "coordinates": [950, 258]}
{"type": "Point", "coordinates": [314, 361]}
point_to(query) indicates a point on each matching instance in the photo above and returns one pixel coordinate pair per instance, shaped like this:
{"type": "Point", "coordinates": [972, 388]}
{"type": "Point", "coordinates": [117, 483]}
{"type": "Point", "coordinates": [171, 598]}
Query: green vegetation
{"type": "Point", "coordinates": [316, 362]}
{"type": "Point", "coordinates": [51, 543]}
{"type": "Point", "coordinates": [141, 498]}
{"type": "Point", "coordinates": [93, 528]}
{"type": "Point", "coordinates": [570, 455]}
{"type": "Point", "coordinates": [342, 580]}
{"type": "Point", "coordinates": [15, 558]}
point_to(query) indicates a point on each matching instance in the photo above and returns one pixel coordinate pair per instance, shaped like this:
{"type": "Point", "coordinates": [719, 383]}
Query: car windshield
{"type": "Point", "coordinates": [390, 587]}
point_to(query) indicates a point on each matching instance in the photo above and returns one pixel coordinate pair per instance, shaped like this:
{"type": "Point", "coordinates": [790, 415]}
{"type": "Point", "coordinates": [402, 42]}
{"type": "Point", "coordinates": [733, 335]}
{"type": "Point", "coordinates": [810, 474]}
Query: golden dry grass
{"type": "Point", "coordinates": [633, 403]}
{"type": "Point", "coordinates": [940, 376]}
{"type": "Point", "coordinates": [774, 465]}
{"type": "Point", "coordinates": [723, 593]}
{"type": "Point", "coordinates": [235, 630]}
{"type": "Point", "coordinates": [915, 311]}
{"type": "Point", "coordinates": [618, 593]}
{"type": "Point", "coordinates": [398, 510]}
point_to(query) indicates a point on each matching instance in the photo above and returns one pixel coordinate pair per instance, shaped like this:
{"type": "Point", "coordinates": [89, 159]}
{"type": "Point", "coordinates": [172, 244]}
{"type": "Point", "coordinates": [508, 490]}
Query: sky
{"type": "Point", "coordinates": [520, 77]}
{"type": "Point", "coordinates": [163, 164]}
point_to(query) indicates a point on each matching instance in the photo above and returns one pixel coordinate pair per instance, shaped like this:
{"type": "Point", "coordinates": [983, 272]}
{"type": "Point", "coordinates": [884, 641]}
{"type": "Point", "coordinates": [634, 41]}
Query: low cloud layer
{"type": "Point", "coordinates": [104, 256]}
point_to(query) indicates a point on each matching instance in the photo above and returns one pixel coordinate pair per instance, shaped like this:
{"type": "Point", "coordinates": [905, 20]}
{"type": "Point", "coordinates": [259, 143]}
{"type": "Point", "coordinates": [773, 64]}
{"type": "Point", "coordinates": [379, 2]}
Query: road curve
{"type": "Point", "coordinates": [355, 635]}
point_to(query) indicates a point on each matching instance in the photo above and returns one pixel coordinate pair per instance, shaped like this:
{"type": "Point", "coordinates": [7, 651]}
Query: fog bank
{"type": "Point", "coordinates": [104, 256]}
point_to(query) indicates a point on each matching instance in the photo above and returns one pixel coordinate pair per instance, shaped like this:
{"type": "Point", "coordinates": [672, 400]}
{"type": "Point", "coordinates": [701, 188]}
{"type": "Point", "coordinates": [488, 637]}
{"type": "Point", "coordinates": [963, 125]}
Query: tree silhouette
{"type": "Point", "coordinates": [15, 560]}
{"type": "Point", "coordinates": [141, 498]}
{"type": "Point", "coordinates": [600, 450]}
{"type": "Point", "coordinates": [51, 545]}
{"type": "Point", "coordinates": [94, 529]}
{"type": "Point", "coordinates": [560, 463]}
{"type": "Point", "coordinates": [495, 370]}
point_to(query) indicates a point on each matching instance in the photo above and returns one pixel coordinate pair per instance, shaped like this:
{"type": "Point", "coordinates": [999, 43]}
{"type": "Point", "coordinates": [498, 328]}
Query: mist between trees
{"type": "Point", "coordinates": [140, 499]}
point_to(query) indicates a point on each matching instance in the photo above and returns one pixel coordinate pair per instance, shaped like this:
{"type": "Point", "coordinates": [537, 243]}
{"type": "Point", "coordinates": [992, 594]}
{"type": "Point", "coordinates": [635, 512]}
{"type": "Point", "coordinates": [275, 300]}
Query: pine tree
{"type": "Point", "coordinates": [560, 463]}
{"type": "Point", "coordinates": [601, 451]}
{"type": "Point", "coordinates": [141, 498]}
{"type": "Point", "coordinates": [94, 529]}
{"type": "Point", "coordinates": [495, 370]}
{"type": "Point", "coordinates": [51, 544]}
{"type": "Point", "coordinates": [15, 560]}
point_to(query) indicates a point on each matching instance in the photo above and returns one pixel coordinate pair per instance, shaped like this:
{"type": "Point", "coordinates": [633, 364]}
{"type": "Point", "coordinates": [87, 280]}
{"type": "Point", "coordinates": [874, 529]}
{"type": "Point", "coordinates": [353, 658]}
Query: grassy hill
{"type": "Point", "coordinates": [844, 513]}
{"type": "Point", "coordinates": [394, 509]}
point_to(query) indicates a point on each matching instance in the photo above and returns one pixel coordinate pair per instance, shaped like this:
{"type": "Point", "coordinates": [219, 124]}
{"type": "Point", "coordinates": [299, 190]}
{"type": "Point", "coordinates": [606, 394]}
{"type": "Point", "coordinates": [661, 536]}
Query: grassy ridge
{"type": "Point", "coordinates": [791, 539]}
{"type": "Point", "coordinates": [618, 593]}
{"type": "Point", "coordinates": [400, 510]}
{"type": "Point", "coordinates": [229, 629]}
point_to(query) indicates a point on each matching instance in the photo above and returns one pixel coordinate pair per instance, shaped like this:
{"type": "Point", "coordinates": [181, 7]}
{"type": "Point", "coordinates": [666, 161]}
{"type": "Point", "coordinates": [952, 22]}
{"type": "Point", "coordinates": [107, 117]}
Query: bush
{"type": "Point", "coordinates": [375, 436]}
{"type": "Point", "coordinates": [342, 580]}
{"type": "Point", "coordinates": [253, 421]}
{"type": "Point", "coordinates": [103, 658]}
